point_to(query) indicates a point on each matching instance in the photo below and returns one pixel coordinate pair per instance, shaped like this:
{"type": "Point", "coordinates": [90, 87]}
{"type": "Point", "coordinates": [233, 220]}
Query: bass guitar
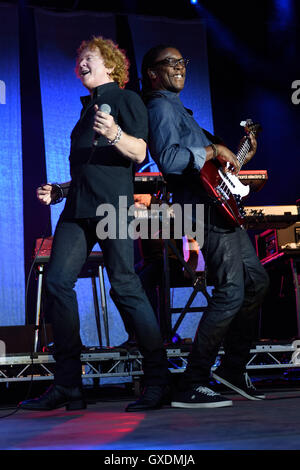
{"type": "Point", "coordinates": [225, 188]}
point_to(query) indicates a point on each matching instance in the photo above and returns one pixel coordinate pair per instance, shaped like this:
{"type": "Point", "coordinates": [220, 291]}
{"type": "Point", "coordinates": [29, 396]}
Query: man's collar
{"type": "Point", "coordinates": [97, 92]}
{"type": "Point", "coordinates": [171, 95]}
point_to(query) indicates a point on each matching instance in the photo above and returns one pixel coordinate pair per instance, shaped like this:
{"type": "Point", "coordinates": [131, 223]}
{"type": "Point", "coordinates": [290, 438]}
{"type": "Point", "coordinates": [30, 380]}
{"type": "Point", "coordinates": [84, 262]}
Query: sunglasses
{"type": "Point", "coordinates": [173, 62]}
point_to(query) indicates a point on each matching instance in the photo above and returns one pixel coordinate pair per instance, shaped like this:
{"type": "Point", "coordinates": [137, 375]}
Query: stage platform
{"type": "Point", "coordinates": [272, 424]}
{"type": "Point", "coordinates": [100, 363]}
{"type": "Point", "coordinates": [170, 433]}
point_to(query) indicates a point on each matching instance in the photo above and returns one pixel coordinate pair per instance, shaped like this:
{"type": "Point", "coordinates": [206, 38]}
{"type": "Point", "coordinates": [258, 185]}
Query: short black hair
{"type": "Point", "coordinates": [149, 60]}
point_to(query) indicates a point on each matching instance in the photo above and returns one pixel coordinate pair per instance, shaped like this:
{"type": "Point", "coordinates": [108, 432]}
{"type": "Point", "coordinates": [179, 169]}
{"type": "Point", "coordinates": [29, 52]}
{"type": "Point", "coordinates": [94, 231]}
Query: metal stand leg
{"type": "Point", "coordinates": [166, 293]}
{"type": "Point", "coordinates": [97, 312]}
{"type": "Point", "coordinates": [296, 278]}
{"type": "Point", "coordinates": [104, 304]}
{"type": "Point", "coordinates": [198, 284]}
{"type": "Point", "coordinates": [38, 306]}
{"type": "Point", "coordinates": [197, 287]}
{"type": "Point", "coordinates": [92, 273]}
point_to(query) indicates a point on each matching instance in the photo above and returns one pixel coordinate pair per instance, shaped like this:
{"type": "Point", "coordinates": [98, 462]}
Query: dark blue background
{"type": "Point", "coordinates": [244, 59]}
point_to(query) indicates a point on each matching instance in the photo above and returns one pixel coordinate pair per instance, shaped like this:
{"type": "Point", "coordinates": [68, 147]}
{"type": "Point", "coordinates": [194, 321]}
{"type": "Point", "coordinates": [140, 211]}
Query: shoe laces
{"type": "Point", "coordinates": [248, 381]}
{"type": "Point", "coordinates": [206, 391]}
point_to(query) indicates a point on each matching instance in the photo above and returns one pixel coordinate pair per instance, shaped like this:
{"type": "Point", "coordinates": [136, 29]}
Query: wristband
{"type": "Point", "coordinates": [60, 194]}
{"type": "Point", "coordinates": [215, 150]}
{"type": "Point", "coordinates": [117, 138]}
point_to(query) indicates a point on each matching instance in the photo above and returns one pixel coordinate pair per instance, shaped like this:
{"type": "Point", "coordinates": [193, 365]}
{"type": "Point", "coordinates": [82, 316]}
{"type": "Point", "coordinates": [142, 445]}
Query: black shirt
{"type": "Point", "coordinates": [101, 174]}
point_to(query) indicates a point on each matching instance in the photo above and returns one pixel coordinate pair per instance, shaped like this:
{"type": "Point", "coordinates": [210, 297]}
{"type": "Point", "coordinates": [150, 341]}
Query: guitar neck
{"type": "Point", "coordinates": [243, 151]}
{"type": "Point", "coordinates": [245, 147]}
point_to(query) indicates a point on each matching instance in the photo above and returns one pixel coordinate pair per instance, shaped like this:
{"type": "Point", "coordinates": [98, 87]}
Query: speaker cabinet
{"type": "Point", "coordinates": [273, 241]}
{"type": "Point", "coordinates": [20, 339]}
{"type": "Point", "coordinates": [280, 311]}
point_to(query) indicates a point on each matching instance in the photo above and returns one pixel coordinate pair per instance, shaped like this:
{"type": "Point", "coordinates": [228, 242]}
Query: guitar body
{"type": "Point", "coordinates": [225, 188]}
{"type": "Point", "coordinates": [229, 204]}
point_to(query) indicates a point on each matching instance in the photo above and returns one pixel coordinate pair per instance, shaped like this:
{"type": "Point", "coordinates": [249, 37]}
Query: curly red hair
{"type": "Point", "coordinates": [113, 57]}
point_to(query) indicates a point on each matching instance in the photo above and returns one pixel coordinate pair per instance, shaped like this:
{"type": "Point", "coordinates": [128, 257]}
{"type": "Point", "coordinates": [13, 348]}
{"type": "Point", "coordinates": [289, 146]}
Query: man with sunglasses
{"type": "Point", "coordinates": [180, 148]}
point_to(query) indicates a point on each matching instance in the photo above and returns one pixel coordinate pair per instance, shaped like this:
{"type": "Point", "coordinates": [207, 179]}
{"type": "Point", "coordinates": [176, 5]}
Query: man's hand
{"type": "Point", "coordinates": [104, 124]}
{"type": "Point", "coordinates": [130, 147]}
{"type": "Point", "coordinates": [142, 200]}
{"type": "Point", "coordinates": [46, 193]}
{"type": "Point", "coordinates": [228, 160]}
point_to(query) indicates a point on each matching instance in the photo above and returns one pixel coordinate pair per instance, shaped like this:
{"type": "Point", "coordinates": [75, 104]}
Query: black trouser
{"type": "Point", "coordinates": [240, 283]}
{"type": "Point", "coordinates": [73, 242]}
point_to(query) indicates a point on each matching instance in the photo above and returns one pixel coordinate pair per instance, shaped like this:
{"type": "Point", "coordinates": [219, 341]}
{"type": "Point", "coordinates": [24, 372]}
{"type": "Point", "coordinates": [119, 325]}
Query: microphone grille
{"type": "Point", "coordinates": [105, 108]}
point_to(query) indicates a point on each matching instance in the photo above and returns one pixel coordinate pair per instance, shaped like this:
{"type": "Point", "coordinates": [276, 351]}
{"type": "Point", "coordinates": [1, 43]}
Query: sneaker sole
{"type": "Point", "coordinates": [179, 404]}
{"type": "Point", "coordinates": [69, 406]}
{"type": "Point", "coordinates": [237, 389]}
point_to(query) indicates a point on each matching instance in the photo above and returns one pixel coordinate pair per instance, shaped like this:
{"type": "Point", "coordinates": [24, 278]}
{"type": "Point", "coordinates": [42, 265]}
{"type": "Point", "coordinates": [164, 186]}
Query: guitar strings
{"type": "Point", "coordinates": [241, 155]}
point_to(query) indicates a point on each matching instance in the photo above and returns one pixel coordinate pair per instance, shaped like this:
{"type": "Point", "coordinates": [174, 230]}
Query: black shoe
{"type": "Point", "coordinates": [130, 345]}
{"type": "Point", "coordinates": [152, 398]}
{"type": "Point", "coordinates": [56, 396]}
{"type": "Point", "coordinates": [199, 396]}
{"type": "Point", "coordinates": [239, 383]}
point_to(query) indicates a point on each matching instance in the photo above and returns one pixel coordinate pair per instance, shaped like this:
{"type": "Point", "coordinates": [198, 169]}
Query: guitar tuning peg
{"type": "Point", "coordinates": [248, 122]}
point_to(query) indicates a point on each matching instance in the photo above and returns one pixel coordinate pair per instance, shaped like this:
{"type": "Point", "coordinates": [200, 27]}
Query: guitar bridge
{"type": "Point", "coordinates": [222, 193]}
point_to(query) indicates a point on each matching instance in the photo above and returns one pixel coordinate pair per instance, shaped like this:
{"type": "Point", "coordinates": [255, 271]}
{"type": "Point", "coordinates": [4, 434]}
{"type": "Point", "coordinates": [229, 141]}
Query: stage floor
{"type": "Point", "coordinates": [270, 424]}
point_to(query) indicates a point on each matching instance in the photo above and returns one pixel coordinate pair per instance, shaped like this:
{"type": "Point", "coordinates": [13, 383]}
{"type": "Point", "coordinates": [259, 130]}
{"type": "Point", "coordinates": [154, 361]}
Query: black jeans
{"type": "Point", "coordinates": [72, 244]}
{"type": "Point", "coordinates": [240, 283]}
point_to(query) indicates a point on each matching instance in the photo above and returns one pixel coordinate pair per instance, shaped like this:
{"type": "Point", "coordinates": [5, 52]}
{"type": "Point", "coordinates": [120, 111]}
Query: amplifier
{"type": "Point", "coordinates": [20, 338]}
{"type": "Point", "coordinates": [289, 235]}
{"type": "Point", "coordinates": [270, 242]}
{"type": "Point", "coordinates": [280, 311]}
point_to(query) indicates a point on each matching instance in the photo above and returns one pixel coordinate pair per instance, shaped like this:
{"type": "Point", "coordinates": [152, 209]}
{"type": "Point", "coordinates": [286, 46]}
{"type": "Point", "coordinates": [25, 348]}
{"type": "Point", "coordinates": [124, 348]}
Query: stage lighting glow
{"type": "Point", "coordinates": [284, 11]}
{"type": "Point", "coordinates": [194, 2]}
{"type": "Point", "coordinates": [11, 174]}
{"type": "Point", "coordinates": [283, 4]}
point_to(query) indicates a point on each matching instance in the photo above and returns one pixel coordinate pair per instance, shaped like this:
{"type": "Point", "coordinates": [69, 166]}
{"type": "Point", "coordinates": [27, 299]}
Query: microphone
{"type": "Point", "coordinates": [105, 108]}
